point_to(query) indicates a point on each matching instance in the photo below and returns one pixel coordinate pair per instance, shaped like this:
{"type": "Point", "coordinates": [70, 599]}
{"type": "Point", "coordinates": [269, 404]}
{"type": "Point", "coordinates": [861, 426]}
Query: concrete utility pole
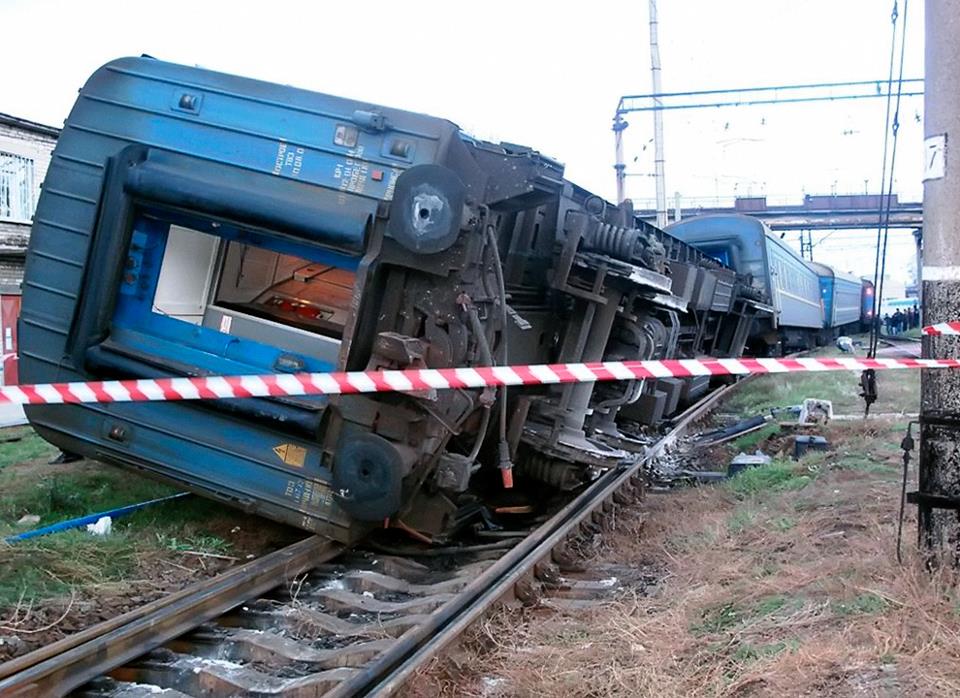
{"type": "Point", "coordinates": [658, 168]}
{"type": "Point", "coordinates": [939, 495]}
{"type": "Point", "coordinates": [620, 167]}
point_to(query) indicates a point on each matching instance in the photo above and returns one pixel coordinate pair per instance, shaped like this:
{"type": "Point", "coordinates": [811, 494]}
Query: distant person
{"type": "Point", "coordinates": [916, 315]}
{"type": "Point", "coordinates": [887, 323]}
{"type": "Point", "coordinates": [898, 321]}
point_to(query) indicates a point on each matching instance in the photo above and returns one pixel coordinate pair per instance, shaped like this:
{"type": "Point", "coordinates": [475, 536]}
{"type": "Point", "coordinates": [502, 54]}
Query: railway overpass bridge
{"type": "Point", "coordinates": [833, 212]}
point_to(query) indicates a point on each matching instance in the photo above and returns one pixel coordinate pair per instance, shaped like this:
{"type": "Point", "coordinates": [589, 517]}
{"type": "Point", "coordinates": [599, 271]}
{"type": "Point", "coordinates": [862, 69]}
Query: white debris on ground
{"type": "Point", "coordinates": [102, 527]}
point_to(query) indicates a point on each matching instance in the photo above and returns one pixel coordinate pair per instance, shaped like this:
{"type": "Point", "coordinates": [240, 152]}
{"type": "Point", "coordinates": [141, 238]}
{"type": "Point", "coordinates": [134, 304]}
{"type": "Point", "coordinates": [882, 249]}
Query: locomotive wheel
{"type": "Point", "coordinates": [367, 477]}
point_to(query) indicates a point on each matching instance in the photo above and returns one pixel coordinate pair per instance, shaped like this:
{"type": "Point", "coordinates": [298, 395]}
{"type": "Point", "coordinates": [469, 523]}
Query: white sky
{"type": "Point", "coordinates": [544, 74]}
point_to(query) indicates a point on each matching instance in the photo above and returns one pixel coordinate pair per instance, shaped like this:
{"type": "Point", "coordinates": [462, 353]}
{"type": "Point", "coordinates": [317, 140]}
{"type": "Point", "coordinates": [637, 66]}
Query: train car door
{"type": "Point", "coordinates": [9, 313]}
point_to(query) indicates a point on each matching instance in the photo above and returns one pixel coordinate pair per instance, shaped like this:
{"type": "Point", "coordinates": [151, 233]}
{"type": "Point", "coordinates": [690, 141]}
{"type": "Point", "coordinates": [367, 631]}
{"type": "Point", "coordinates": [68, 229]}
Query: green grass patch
{"type": "Point", "coordinates": [52, 565]}
{"type": "Point", "coordinates": [66, 495]}
{"type": "Point", "coordinates": [898, 391]}
{"type": "Point", "coordinates": [784, 390]}
{"type": "Point", "coordinates": [749, 652]}
{"type": "Point", "coordinates": [860, 605]}
{"type": "Point", "coordinates": [20, 445]}
{"type": "Point", "coordinates": [864, 464]}
{"type": "Point", "coordinates": [783, 523]}
{"type": "Point", "coordinates": [742, 519]}
{"type": "Point", "coordinates": [199, 543]}
{"type": "Point", "coordinates": [716, 619]}
{"type": "Point", "coordinates": [777, 476]}
{"type": "Point", "coordinates": [56, 564]}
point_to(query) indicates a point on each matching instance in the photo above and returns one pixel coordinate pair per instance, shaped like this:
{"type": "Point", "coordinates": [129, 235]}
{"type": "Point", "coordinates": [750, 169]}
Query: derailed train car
{"type": "Point", "coordinates": [196, 223]}
{"type": "Point", "coordinates": [813, 303]}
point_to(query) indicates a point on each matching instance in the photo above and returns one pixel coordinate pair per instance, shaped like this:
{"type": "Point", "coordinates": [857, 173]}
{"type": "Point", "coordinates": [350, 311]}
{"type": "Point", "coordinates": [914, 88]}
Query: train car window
{"type": "Point", "coordinates": [721, 253]}
{"type": "Point", "coordinates": [190, 282]}
{"type": "Point", "coordinates": [205, 280]}
{"type": "Point", "coordinates": [284, 289]}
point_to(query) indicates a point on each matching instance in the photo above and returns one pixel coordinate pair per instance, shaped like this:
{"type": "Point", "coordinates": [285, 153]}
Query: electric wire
{"type": "Point", "coordinates": [875, 326]}
{"type": "Point", "coordinates": [893, 154]}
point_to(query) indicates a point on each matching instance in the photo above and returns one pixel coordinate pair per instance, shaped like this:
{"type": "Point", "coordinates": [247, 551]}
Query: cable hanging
{"type": "Point", "coordinates": [891, 128]}
{"type": "Point", "coordinates": [875, 327]}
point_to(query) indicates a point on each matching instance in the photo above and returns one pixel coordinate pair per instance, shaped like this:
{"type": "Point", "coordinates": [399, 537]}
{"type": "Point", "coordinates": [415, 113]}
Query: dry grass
{"type": "Point", "coordinates": [790, 591]}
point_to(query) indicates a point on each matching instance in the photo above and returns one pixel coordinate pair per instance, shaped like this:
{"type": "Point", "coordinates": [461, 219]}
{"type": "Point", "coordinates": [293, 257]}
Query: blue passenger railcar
{"type": "Point", "coordinates": [200, 224]}
{"type": "Point", "coordinates": [841, 295]}
{"type": "Point", "coordinates": [179, 207]}
{"type": "Point", "coordinates": [750, 247]}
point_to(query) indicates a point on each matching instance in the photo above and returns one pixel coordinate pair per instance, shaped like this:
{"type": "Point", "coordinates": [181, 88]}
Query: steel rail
{"type": "Point", "coordinates": [69, 663]}
{"type": "Point", "coordinates": [388, 672]}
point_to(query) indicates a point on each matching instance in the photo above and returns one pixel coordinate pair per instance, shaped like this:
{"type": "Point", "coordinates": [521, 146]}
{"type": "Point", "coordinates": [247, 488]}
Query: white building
{"type": "Point", "coordinates": [25, 148]}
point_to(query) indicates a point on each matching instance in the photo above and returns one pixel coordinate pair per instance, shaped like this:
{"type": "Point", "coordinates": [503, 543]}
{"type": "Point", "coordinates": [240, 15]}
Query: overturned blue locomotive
{"type": "Point", "coordinates": [195, 223]}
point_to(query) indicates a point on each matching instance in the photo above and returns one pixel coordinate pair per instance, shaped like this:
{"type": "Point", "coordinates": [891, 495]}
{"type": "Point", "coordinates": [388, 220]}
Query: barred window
{"type": "Point", "coordinates": [17, 190]}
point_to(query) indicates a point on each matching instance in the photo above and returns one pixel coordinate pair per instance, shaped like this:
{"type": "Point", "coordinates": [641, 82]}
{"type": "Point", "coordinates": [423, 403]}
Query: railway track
{"type": "Point", "coordinates": [315, 620]}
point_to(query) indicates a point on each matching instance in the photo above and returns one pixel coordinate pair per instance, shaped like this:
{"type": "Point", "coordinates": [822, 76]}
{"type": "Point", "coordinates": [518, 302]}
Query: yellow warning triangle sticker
{"type": "Point", "coordinates": [291, 454]}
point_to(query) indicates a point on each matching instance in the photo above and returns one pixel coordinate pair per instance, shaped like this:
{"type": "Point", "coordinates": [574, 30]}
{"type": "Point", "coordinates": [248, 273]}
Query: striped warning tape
{"type": "Point", "coordinates": [274, 385]}
{"type": "Point", "coordinates": [942, 328]}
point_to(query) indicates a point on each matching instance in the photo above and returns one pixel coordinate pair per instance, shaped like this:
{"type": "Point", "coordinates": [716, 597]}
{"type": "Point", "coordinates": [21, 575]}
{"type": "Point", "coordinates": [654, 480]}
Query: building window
{"type": "Point", "coordinates": [17, 189]}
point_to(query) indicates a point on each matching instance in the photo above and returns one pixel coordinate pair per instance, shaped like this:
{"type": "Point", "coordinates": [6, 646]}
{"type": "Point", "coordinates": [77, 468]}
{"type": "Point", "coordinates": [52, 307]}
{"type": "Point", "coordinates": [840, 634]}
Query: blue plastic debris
{"type": "Point", "coordinates": [90, 518]}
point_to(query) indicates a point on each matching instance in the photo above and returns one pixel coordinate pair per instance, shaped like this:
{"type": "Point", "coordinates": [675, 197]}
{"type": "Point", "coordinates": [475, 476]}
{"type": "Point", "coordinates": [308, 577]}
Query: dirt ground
{"type": "Point", "coordinates": [783, 581]}
{"type": "Point", "coordinates": [58, 584]}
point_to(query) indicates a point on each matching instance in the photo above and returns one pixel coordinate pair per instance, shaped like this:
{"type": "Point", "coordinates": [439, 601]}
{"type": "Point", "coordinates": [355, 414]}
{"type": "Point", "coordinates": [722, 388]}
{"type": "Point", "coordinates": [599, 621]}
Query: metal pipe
{"type": "Point", "coordinates": [658, 162]}
{"type": "Point", "coordinates": [619, 166]}
{"type": "Point", "coordinates": [505, 464]}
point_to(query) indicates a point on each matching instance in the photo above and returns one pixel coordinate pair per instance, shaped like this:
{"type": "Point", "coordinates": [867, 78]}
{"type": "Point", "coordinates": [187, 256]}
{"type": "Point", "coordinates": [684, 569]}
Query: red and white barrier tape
{"type": "Point", "coordinates": [220, 387]}
{"type": "Point", "coordinates": [942, 328]}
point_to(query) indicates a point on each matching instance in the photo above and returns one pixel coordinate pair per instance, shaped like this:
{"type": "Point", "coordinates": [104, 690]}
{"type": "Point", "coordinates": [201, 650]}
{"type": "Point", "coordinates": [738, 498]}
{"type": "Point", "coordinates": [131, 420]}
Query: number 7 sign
{"type": "Point", "coordinates": [934, 157]}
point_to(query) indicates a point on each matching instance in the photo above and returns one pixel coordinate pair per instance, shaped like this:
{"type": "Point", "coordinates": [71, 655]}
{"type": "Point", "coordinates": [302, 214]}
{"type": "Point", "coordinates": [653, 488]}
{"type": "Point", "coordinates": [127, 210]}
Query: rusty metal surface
{"type": "Point", "coordinates": [62, 667]}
